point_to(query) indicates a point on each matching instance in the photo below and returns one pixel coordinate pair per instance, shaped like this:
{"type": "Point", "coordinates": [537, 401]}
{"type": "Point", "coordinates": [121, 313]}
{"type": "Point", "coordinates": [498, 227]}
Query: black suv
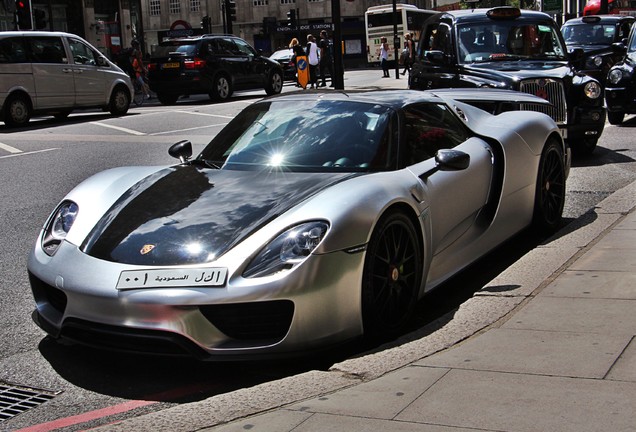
{"type": "Point", "coordinates": [507, 48]}
{"type": "Point", "coordinates": [216, 65]}
{"type": "Point", "coordinates": [601, 37]}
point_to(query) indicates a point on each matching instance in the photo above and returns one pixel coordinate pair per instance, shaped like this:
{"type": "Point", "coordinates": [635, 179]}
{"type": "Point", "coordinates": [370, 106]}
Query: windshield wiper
{"type": "Point", "coordinates": [206, 163]}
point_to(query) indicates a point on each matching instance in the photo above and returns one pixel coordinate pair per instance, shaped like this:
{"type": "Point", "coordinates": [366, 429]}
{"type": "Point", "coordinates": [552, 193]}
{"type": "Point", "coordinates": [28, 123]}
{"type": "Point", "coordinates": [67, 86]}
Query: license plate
{"type": "Point", "coordinates": [170, 278]}
{"type": "Point", "coordinates": [173, 65]}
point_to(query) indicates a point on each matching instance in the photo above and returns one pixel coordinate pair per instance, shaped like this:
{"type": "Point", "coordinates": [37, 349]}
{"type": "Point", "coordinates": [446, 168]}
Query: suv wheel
{"type": "Point", "coordinates": [615, 118]}
{"type": "Point", "coordinates": [221, 89]}
{"type": "Point", "coordinates": [274, 83]}
{"type": "Point", "coordinates": [17, 110]}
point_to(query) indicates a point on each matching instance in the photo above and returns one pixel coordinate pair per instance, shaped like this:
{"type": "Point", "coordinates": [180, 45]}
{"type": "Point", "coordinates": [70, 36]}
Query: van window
{"type": "Point", "coordinates": [47, 49]}
{"type": "Point", "coordinates": [82, 54]}
{"type": "Point", "coordinates": [12, 50]}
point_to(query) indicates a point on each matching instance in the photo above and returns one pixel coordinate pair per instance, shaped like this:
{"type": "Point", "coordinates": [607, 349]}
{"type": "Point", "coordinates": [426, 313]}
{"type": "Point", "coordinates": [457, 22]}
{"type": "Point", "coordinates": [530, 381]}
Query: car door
{"type": "Point", "coordinates": [231, 59]}
{"type": "Point", "coordinates": [90, 80]}
{"type": "Point", "coordinates": [52, 73]}
{"type": "Point", "coordinates": [254, 66]}
{"type": "Point", "coordinates": [455, 198]}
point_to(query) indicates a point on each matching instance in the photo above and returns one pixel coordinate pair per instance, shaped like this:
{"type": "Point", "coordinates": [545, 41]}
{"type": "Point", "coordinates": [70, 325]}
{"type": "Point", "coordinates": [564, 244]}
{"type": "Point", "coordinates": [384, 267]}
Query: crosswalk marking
{"type": "Point", "coordinates": [9, 148]}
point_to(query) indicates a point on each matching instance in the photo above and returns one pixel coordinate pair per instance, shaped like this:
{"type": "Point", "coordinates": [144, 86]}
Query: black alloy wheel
{"type": "Point", "coordinates": [221, 89]}
{"type": "Point", "coordinates": [550, 193]}
{"type": "Point", "coordinates": [392, 276]}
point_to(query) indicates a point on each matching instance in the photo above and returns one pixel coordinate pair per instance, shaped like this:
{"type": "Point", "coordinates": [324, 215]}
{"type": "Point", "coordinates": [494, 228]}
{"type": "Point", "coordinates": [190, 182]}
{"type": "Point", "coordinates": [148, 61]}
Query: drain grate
{"type": "Point", "coordinates": [18, 399]}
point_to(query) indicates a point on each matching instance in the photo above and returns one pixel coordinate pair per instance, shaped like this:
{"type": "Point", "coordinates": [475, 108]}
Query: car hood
{"type": "Point", "coordinates": [188, 215]}
{"type": "Point", "coordinates": [523, 69]}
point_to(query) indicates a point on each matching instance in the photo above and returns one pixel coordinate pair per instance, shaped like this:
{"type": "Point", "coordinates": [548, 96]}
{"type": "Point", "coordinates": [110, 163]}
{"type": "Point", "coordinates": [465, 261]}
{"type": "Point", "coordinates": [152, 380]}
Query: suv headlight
{"type": "Point", "coordinates": [287, 250]}
{"type": "Point", "coordinates": [592, 90]}
{"type": "Point", "coordinates": [58, 226]}
{"type": "Point", "coordinates": [615, 76]}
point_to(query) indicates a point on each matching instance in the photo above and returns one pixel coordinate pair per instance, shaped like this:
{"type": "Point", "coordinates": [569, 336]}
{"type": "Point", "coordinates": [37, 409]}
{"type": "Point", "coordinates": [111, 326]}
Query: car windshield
{"type": "Point", "coordinates": [305, 136]}
{"type": "Point", "coordinates": [587, 34]}
{"type": "Point", "coordinates": [506, 40]}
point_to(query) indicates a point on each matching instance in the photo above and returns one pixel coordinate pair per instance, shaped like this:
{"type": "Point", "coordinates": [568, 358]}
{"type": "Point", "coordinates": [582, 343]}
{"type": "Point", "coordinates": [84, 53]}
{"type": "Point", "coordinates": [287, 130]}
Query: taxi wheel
{"type": "Point", "coordinates": [119, 101]}
{"type": "Point", "coordinates": [615, 118]}
{"type": "Point", "coordinates": [221, 89]}
{"type": "Point", "coordinates": [17, 111]}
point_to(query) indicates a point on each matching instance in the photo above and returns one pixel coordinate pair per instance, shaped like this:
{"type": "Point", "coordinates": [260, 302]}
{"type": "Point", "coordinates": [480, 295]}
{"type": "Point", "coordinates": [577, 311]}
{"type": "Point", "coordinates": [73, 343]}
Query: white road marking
{"type": "Point", "coordinates": [188, 129]}
{"type": "Point", "coordinates": [121, 129]}
{"type": "Point", "coordinates": [9, 148]}
{"type": "Point", "coordinates": [204, 114]}
{"type": "Point", "coordinates": [28, 153]}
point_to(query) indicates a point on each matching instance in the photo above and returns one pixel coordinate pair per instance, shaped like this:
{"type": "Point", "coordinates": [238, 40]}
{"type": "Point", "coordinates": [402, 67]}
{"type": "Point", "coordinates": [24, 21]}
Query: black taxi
{"type": "Point", "coordinates": [620, 87]}
{"type": "Point", "coordinates": [508, 48]}
{"type": "Point", "coordinates": [602, 39]}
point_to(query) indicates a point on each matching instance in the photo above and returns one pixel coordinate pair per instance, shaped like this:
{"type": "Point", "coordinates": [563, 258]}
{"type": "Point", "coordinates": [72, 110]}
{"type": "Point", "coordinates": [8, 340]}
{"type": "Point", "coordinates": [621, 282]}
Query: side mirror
{"type": "Point", "coordinates": [181, 150]}
{"type": "Point", "coordinates": [452, 160]}
{"type": "Point", "coordinates": [577, 58]}
{"type": "Point", "coordinates": [619, 48]}
{"type": "Point", "coordinates": [436, 56]}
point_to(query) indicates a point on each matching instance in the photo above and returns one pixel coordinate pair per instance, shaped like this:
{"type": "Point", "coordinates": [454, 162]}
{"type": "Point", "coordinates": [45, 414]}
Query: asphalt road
{"type": "Point", "coordinates": [41, 163]}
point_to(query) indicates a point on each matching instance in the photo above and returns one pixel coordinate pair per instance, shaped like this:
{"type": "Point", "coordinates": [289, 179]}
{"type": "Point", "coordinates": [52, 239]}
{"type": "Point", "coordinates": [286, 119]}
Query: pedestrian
{"type": "Point", "coordinates": [297, 50]}
{"type": "Point", "coordinates": [140, 73]}
{"type": "Point", "coordinates": [326, 58]}
{"type": "Point", "coordinates": [312, 57]}
{"type": "Point", "coordinates": [407, 53]}
{"type": "Point", "coordinates": [384, 56]}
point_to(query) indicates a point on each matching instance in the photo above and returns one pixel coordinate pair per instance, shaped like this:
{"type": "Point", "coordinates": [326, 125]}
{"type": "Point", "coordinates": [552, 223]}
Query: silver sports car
{"type": "Point", "coordinates": [310, 219]}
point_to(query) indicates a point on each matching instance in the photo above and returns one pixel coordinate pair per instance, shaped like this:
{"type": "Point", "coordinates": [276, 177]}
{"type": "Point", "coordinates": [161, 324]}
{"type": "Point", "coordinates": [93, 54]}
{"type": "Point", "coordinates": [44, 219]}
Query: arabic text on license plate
{"type": "Point", "coordinates": [169, 278]}
{"type": "Point", "coordinates": [170, 65]}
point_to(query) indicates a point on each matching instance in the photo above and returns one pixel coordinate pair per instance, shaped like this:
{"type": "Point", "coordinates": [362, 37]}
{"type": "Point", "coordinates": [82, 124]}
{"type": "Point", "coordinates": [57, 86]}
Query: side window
{"type": "Point", "coordinates": [442, 40]}
{"type": "Point", "coordinates": [227, 47]}
{"type": "Point", "coordinates": [12, 50]}
{"type": "Point", "coordinates": [82, 54]}
{"type": "Point", "coordinates": [47, 50]}
{"type": "Point", "coordinates": [429, 128]}
{"type": "Point", "coordinates": [244, 48]}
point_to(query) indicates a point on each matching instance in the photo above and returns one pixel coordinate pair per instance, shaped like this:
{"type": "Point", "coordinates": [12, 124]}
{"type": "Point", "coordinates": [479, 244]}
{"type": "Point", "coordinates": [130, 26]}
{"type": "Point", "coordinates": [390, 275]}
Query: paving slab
{"type": "Point", "coordinates": [592, 284]}
{"type": "Point", "coordinates": [578, 315]}
{"type": "Point", "coordinates": [625, 367]}
{"type": "Point", "coordinates": [525, 403]}
{"type": "Point", "coordinates": [534, 352]}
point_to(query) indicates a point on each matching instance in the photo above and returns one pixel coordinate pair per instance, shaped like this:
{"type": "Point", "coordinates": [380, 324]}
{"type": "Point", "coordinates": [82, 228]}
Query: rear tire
{"type": "Point", "coordinates": [391, 277]}
{"type": "Point", "coordinates": [550, 193]}
{"type": "Point", "coordinates": [17, 111]}
{"type": "Point", "coordinates": [615, 118]}
{"type": "Point", "coordinates": [221, 89]}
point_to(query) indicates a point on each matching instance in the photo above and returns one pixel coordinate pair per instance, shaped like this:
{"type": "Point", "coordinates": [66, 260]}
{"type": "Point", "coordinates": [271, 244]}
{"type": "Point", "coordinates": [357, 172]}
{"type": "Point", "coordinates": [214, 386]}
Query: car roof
{"type": "Point", "coordinates": [479, 15]}
{"type": "Point", "coordinates": [36, 33]}
{"type": "Point", "coordinates": [595, 19]}
{"type": "Point", "coordinates": [199, 38]}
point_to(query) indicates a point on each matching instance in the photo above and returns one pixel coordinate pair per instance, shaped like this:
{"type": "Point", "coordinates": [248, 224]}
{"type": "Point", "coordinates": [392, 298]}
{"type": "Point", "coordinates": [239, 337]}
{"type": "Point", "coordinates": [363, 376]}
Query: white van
{"type": "Point", "coordinates": [55, 73]}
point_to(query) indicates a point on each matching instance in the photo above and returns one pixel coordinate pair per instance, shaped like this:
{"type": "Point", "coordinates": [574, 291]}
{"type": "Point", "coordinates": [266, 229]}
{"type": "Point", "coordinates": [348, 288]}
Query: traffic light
{"type": "Point", "coordinates": [206, 24]}
{"type": "Point", "coordinates": [291, 18]}
{"type": "Point", "coordinates": [23, 17]}
{"type": "Point", "coordinates": [231, 5]}
{"type": "Point", "coordinates": [39, 19]}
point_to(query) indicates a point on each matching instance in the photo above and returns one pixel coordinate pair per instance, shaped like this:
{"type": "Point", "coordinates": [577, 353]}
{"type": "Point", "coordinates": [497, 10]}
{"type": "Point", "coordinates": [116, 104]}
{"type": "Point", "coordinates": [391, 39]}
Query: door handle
{"type": "Point", "coordinates": [67, 70]}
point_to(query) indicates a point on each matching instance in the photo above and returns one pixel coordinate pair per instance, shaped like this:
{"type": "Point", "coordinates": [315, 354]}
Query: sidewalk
{"type": "Point", "coordinates": [548, 345]}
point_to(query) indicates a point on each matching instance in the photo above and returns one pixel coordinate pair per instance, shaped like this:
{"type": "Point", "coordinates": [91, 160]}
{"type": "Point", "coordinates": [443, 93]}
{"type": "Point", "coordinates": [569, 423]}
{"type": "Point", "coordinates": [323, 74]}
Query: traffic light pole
{"type": "Point", "coordinates": [338, 67]}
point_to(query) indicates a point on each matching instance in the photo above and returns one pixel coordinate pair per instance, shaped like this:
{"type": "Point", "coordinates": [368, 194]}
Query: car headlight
{"type": "Point", "coordinates": [592, 90]}
{"type": "Point", "coordinates": [58, 226]}
{"type": "Point", "coordinates": [287, 250]}
{"type": "Point", "coordinates": [615, 76]}
{"type": "Point", "coordinates": [598, 61]}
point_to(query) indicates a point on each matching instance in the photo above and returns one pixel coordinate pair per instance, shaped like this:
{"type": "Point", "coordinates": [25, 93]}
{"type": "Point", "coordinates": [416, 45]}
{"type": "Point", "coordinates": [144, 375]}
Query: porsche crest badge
{"type": "Point", "coordinates": [146, 249]}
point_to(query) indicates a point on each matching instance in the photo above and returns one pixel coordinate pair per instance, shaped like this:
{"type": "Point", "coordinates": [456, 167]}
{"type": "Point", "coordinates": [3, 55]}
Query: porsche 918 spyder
{"type": "Point", "coordinates": [311, 219]}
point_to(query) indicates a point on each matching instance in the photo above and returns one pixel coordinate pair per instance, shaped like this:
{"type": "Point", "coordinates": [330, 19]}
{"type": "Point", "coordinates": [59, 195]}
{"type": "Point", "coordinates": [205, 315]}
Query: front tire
{"type": "Point", "coordinates": [615, 118]}
{"type": "Point", "coordinates": [550, 192]}
{"type": "Point", "coordinates": [391, 277]}
{"type": "Point", "coordinates": [17, 111]}
{"type": "Point", "coordinates": [119, 101]}
{"type": "Point", "coordinates": [274, 83]}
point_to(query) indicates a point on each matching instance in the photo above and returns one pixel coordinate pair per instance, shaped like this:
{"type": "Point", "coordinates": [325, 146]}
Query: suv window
{"type": "Point", "coordinates": [244, 48]}
{"type": "Point", "coordinates": [188, 49]}
{"type": "Point", "coordinates": [82, 54]}
{"type": "Point", "coordinates": [223, 47]}
{"type": "Point", "coordinates": [47, 50]}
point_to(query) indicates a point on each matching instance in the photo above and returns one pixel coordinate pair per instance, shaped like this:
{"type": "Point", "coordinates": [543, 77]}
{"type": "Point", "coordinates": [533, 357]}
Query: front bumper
{"type": "Point", "coordinates": [315, 305]}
